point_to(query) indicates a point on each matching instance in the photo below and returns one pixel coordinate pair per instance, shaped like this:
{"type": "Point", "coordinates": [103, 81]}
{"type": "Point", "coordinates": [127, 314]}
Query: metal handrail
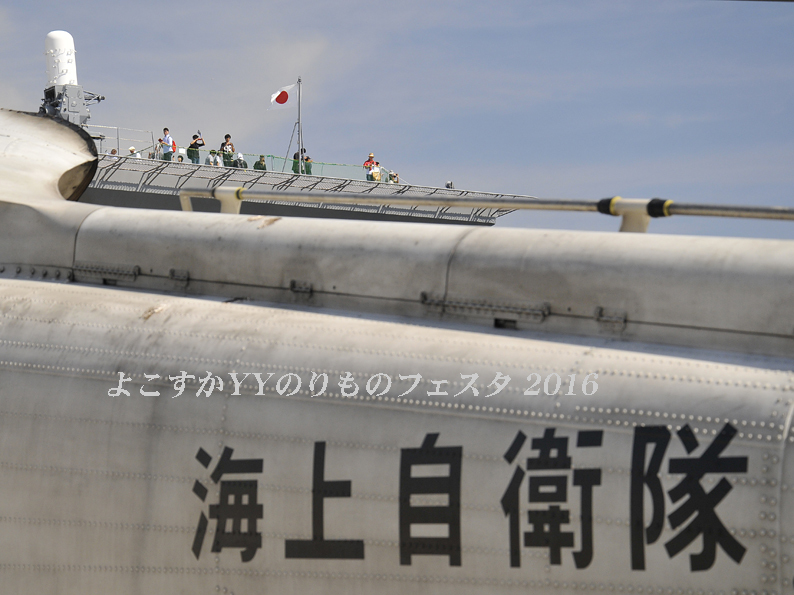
{"type": "Point", "coordinates": [169, 177]}
{"type": "Point", "coordinates": [638, 210]}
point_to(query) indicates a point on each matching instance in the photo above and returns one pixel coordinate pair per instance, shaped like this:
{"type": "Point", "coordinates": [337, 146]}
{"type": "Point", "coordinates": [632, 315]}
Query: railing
{"type": "Point", "coordinates": [188, 180]}
{"type": "Point", "coordinates": [280, 164]}
{"type": "Point", "coordinates": [147, 147]}
{"type": "Point", "coordinates": [170, 177]}
{"type": "Point", "coordinates": [113, 137]}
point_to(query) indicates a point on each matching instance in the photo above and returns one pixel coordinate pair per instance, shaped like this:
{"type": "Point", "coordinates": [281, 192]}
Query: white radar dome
{"type": "Point", "coordinates": [61, 61]}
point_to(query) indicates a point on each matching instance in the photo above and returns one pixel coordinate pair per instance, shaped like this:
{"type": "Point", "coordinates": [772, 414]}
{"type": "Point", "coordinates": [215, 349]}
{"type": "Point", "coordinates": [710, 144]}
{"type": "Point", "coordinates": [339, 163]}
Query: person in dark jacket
{"type": "Point", "coordinates": [296, 161]}
{"type": "Point", "coordinates": [240, 162]}
{"type": "Point", "coordinates": [227, 150]}
{"type": "Point", "coordinates": [193, 149]}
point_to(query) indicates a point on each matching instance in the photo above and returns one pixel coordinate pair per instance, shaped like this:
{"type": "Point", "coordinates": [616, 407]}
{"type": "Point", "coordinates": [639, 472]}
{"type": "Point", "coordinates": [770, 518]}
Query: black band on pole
{"type": "Point", "coordinates": [656, 207]}
{"type": "Point", "coordinates": [603, 206]}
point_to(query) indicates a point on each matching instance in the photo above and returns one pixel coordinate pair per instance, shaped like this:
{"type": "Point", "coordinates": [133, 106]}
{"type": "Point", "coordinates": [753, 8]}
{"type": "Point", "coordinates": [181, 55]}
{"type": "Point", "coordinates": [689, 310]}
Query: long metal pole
{"type": "Point", "coordinates": [286, 157]}
{"type": "Point", "coordinates": [495, 202]}
{"type": "Point", "coordinates": [780, 213]}
{"type": "Point", "coordinates": [300, 129]}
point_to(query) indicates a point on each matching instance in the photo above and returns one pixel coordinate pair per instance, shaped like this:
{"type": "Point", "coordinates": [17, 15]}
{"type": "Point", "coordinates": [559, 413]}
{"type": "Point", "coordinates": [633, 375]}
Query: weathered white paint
{"type": "Point", "coordinates": [96, 491]}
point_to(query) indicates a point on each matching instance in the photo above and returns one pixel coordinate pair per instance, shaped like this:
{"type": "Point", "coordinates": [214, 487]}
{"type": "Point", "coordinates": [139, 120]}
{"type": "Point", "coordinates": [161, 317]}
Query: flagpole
{"type": "Point", "coordinates": [300, 130]}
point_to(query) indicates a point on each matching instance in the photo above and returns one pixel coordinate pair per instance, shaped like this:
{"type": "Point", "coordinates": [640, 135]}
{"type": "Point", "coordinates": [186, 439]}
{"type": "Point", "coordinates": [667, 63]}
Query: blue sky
{"type": "Point", "coordinates": [683, 99]}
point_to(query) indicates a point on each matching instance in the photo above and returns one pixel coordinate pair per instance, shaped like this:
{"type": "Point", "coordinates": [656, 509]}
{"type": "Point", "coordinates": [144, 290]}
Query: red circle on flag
{"type": "Point", "coordinates": [282, 97]}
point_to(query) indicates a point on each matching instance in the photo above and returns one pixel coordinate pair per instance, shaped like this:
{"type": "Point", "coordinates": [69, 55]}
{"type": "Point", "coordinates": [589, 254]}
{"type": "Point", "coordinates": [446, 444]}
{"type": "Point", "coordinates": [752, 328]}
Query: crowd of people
{"type": "Point", "coordinates": [226, 156]}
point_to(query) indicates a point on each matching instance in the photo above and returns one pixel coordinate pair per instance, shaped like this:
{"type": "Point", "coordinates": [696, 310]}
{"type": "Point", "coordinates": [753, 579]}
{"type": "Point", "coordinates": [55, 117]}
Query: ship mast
{"type": "Point", "coordinates": [301, 166]}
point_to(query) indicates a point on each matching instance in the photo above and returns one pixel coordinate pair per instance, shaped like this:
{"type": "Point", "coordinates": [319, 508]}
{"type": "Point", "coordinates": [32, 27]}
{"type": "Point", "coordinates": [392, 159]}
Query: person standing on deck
{"type": "Point", "coordinates": [168, 145]}
{"type": "Point", "coordinates": [227, 150]}
{"type": "Point", "coordinates": [296, 161]}
{"type": "Point", "coordinates": [213, 159]}
{"type": "Point", "coordinates": [368, 165]}
{"type": "Point", "coordinates": [193, 149]}
{"type": "Point", "coordinates": [240, 162]}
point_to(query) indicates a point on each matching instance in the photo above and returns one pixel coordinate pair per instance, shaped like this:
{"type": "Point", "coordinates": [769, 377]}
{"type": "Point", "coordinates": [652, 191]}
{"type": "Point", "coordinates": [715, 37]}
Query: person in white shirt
{"type": "Point", "coordinates": [374, 172]}
{"type": "Point", "coordinates": [133, 153]}
{"type": "Point", "coordinates": [213, 159]}
{"type": "Point", "coordinates": [168, 145]}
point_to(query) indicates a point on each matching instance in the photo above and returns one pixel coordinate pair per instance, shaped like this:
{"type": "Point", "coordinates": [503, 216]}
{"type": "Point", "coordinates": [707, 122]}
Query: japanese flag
{"type": "Point", "coordinates": [284, 97]}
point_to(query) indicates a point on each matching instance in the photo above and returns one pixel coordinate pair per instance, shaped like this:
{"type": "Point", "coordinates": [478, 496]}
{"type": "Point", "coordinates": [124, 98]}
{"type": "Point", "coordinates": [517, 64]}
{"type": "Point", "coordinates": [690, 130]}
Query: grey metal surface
{"type": "Point", "coordinates": [405, 198]}
{"type": "Point", "coordinates": [168, 178]}
{"type": "Point", "coordinates": [68, 102]}
{"type": "Point", "coordinates": [672, 290]}
{"type": "Point", "coordinates": [145, 200]}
